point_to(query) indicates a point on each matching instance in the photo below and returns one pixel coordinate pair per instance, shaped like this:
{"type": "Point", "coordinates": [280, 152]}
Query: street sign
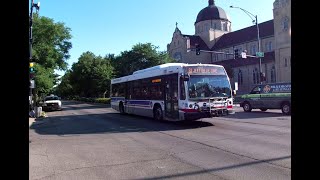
{"type": "Point", "coordinates": [260, 54]}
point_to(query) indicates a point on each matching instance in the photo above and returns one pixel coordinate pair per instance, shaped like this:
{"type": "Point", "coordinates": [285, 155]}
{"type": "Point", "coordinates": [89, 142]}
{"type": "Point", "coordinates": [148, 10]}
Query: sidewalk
{"type": "Point", "coordinates": [31, 120]}
{"type": "Point", "coordinates": [35, 121]}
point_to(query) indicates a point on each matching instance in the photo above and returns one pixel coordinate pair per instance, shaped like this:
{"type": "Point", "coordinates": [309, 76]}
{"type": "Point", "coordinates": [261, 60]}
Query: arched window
{"type": "Point", "coordinates": [266, 70]}
{"type": "Point", "coordinates": [206, 27]}
{"type": "Point", "coordinates": [270, 46]}
{"type": "Point", "coordinates": [255, 75]}
{"type": "Point", "coordinates": [253, 49]}
{"type": "Point", "coordinates": [225, 27]}
{"type": "Point", "coordinates": [226, 54]}
{"type": "Point", "coordinates": [285, 62]}
{"type": "Point", "coordinates": [240, 79]}
{"type": "Point", "coordinates": [273, 74]}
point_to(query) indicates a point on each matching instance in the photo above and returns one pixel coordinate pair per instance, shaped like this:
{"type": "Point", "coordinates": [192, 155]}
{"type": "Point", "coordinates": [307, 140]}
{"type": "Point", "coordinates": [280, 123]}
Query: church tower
{"type": "Point", "coordinates": [211, 23]}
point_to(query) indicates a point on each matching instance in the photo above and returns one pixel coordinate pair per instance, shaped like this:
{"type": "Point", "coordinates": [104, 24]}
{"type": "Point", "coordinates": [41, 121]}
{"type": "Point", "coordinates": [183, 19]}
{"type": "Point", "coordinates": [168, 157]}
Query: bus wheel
{"type": "Point", "coordinates": [263, 109]}
{"type": "Point", "coordinates": [286, 108]}
{"type": "Point", "coordinates": [157, 113]}
{"type": "Point", "coordinates": [121, 108]}
{"type": "Point", "coordinates": [247, 107]}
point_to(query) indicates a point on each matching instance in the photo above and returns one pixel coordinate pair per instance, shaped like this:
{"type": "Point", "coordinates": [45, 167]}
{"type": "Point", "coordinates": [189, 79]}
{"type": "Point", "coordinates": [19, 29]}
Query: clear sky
{"type": "Point", "coordinates": [113, 26]}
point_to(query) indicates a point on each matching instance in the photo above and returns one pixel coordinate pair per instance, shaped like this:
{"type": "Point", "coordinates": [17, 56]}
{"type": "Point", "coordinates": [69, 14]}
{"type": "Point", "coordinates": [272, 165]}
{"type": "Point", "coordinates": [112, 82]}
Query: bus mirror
{"type": "Point", "coordinates": [186, 77]}
{"type": "Point", "coordinates": [234, 92]}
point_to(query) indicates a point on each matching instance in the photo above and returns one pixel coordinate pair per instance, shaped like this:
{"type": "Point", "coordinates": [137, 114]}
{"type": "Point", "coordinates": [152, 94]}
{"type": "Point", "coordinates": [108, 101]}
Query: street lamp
{"type": "Point", "coordinates": [258, 34]}
{"type": "Point", "coordinates": [37, 6]}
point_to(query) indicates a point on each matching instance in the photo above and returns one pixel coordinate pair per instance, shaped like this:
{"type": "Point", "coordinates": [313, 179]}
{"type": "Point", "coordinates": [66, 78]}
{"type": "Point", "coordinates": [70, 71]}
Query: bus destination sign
{"type": "Point", "coordinates": [205, 70]}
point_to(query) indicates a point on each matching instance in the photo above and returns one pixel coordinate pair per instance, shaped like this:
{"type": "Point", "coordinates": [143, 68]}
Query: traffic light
{"type": "Point", "coordinates": [236, 53]}
{"type": "Point", "coordinates": [31, 70]}
{"type": "Point", "coordinates": [197, 49]}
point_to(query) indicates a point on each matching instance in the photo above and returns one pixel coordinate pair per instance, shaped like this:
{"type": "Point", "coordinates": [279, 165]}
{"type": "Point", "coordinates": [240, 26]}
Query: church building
{"type": "Point", "coordinates": [217, 42]}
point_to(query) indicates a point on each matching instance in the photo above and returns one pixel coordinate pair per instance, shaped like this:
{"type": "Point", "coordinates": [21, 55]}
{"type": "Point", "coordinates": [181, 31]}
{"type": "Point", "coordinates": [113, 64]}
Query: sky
{"type": "Point", "coordinates": [113, 26]}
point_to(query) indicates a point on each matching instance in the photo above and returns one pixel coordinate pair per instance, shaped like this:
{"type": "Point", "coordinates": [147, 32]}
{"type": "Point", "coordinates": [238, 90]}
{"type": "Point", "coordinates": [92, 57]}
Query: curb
{"type": "Point", "coordinates": [34, 121]}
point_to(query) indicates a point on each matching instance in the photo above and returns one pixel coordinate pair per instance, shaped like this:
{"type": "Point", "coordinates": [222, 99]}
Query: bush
{"type": "Point", "coordinates": [102, 100]}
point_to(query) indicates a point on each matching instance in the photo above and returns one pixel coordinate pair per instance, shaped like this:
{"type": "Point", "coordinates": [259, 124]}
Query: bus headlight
{"type": "Point", "coordinates": [196, 107]}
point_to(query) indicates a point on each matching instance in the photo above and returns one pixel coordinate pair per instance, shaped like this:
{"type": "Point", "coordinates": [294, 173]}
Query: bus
{"type": "Point", "coordinates": [174, 92]}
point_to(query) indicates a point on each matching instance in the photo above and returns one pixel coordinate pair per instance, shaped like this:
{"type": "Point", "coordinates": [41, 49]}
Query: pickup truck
{"type": "Point", "coordinates": [268, 96]}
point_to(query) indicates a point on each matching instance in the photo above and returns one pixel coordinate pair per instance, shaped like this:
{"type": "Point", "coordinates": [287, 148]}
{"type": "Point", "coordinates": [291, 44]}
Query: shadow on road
{"type": "Point", "coordinates": [108, 123]}
{"type": "Point", "coordinates": [69, 105]}
{"type": "Point", "coordinates": [255, 114]}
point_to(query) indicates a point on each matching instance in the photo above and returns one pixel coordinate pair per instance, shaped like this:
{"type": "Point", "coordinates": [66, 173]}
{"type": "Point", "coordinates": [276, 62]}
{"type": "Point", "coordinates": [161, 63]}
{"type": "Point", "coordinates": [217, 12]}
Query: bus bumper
{"type": "Point", "coordinates": [190, 116]}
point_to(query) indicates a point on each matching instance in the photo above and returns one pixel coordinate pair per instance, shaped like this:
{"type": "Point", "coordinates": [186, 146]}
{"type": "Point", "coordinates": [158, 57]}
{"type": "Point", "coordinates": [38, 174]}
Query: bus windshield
{"type": "Point", "coordinates": [206, 86]}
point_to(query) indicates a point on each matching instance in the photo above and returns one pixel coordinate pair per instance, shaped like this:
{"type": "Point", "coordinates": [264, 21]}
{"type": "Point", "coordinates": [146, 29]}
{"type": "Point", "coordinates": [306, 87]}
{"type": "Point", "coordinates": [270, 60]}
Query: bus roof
{"type": "Point", "coordinates": [168, 68]}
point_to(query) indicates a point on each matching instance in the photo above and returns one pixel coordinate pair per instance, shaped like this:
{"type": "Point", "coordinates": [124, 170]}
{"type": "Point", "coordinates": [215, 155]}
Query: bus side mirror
{"type": "Point", "coordinates": [185, 77]}
{"type": "Point", "coordinates": [234, 92]}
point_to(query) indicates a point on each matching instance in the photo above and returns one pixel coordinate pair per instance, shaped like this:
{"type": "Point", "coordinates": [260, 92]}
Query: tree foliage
{"type": "Point", "coordinates": [141, 56]}
{"type": "Point", "coordinates": [89, 77]}
{"type": "Point", "coordinates": [50, 51]}
{"type": "Point", "coordinates": [51, 43]}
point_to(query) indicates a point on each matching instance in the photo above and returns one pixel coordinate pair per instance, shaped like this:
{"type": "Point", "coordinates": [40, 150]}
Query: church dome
{"type": "Point", "coordinates": [212, 12]}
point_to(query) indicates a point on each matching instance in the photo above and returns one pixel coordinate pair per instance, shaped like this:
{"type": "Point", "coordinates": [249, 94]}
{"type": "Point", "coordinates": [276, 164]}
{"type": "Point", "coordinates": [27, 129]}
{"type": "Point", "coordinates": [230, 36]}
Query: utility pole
{"type": "Point", "coordinates": [258, 37]}
{"type": "Point", "coordinates": [37, 6]}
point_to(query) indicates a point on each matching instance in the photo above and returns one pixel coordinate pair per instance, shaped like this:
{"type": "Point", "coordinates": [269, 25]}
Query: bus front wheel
{"type": "Point", "coordinates": [157, 113]}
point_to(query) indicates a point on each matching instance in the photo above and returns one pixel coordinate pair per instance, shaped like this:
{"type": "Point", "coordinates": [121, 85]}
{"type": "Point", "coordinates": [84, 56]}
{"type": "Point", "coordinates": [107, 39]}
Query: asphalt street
{"type": "Point", "coordinates": [88, 141]}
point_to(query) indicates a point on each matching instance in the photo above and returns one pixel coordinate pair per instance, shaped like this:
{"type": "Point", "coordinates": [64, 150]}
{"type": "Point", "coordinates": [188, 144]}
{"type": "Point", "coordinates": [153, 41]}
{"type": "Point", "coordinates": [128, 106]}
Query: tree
{"type": "Point", "coordinates": [50, 51]}
{"type": "Point", "coordinates": [141, 56]}
{"type": "Point", "coordinates": [89, 77]}
{"type": "Point", "coordinates": [51, 43]}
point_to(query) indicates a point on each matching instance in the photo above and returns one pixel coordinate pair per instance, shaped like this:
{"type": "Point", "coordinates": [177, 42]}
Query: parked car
{"type": "Point", "coordinates": [52, 102]}
{"type": "Point", "coordinates": [268, 96]}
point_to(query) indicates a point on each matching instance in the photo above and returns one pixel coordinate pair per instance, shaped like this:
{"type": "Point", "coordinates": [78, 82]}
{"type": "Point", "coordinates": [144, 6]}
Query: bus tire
{"type": "Point", "coordinates": [157, 113]}
{"type": "Point", "coordinates": [121, 108]}
{"type": "Point", "coordinates": [247, 107]}
{"type": "Point", "coordinates": [286, 108]}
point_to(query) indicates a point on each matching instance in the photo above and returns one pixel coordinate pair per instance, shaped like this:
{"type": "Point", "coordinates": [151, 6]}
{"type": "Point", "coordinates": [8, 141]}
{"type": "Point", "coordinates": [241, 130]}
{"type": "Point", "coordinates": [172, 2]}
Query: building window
{"type": "Point", "coordinates": [268, 46]}
{"type": "Point", "coordinates": [273, 74]}
{"type": "Point", "coordinates": [177, 56]}
{"type": "Point", "coordinates": [225, 27]}
{"type": "Point", "coordinates": [255, 75]}
{"type": "Point", "coordinates": [290, 60]}
{"type": "Point", "coordinates": [285, 62]}
{"type": "Point", "coordinates": [226, 54]}
{"type": "Point", "coordinates": [253, 49]}
{"type": "Point", "coordinates": [214, 26]}
{"type": "Point", "coordinates": [285, 23]}
{"type": "Point", "coordinates": [206, 27]}
{"type": "Point", "coordinates": [266, 70]}
{"type": "Point", "coordinates": [240, 79]}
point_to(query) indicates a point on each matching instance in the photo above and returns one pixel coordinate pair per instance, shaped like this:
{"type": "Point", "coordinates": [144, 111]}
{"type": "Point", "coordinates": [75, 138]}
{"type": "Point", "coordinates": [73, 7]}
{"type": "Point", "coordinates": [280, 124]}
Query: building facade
{"type": "Point", "coordinates": [217, 41]}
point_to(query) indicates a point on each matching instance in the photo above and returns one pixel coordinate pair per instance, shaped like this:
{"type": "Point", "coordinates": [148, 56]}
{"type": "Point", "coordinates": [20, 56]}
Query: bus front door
{"type": "Point", "coordinates": [171, 97]}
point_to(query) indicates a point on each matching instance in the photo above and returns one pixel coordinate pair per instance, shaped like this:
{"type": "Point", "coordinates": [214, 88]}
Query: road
{"type": "Point", "coordinates": [86, 141]}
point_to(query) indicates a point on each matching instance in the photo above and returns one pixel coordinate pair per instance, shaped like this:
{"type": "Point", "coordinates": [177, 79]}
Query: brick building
{"type": "Point", "coordinates": [213, 33]}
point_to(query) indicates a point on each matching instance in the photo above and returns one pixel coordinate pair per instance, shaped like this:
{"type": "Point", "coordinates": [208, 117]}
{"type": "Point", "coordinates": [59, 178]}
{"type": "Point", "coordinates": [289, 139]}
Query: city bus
{"type": "Point", "coordinates": [174, 92]}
